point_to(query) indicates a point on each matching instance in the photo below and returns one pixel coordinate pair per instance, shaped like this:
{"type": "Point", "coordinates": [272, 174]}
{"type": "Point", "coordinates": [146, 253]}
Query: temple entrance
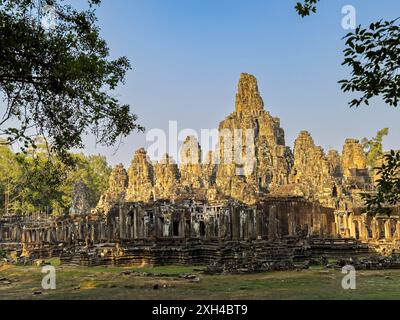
{"type": "Point", "coordinates": [334, 192]}
{"type": "Point", "coordinates": [175, 227]}
{"type": "Point", "coordinates": [202, 229]}
{"type": "Point", "coordinates": [357, 230]}
{"type": "Point", "coordinates": [188, 228]}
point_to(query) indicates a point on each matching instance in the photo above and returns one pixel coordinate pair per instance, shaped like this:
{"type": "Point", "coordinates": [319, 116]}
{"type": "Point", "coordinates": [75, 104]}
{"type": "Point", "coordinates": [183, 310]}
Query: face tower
{"type": "Point", "coordinates": [253, 157]}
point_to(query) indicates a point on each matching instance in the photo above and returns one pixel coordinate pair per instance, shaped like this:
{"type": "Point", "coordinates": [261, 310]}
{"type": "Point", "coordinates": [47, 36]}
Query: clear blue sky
{"type": "Point", "coordinates": [188, 54]}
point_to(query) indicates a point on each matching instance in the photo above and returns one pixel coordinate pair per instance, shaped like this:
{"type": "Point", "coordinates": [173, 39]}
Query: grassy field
{"type": "Point", "coordinates": [165, 283]}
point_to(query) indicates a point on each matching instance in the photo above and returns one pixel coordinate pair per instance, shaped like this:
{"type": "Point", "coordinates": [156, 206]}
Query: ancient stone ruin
{"type": "Point", "coordinates": [253, 201]}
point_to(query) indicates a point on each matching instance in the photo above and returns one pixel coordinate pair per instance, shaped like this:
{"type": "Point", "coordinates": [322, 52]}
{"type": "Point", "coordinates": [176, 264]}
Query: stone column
{"type": "Point", "coordinates": [224, 231]}
{"type": "Point", "coordinates": [375, 229]}
{"type": "Point", "coordinates": [347, 225]}
{"type": "Point", "coordinates": [397, 233]}
{"type": "Point", "coordinates": [182, 223]}
{"type": "Point", "coordinates": [135, 224]}
{"type": "Point", "coordinates": [167, 228]}
{"type": "Point", "coordinates": [272, 225]}
{"type": "Point", "coordinates": [18, 234]}
{"type": "Point", "coordinates": [291, 224]}
{"type": "Point", "coordinates": [217, 222]}
{"type": "Point", "coordinates": [336, 225]}
{"type": "Point", "coordinates": [243, 225]}
{"type": "Point", "coordinates": [235, 223]}
{"type": "Point", "coordinates": [253, 224]}
{"type": "Point", "coordinates": [352, 227]}
{"type": "Point", "coordinates": [363, 228]}
{"type": "Point", "coordinates": [259, 225]}
{"type": "Point", "coordinates": [48, 235]}
{"type": "Point", "coordinates": [388, 231]}
{"type": "Point", "coordinates": [122, 223]}
{"type": "Point", "coordinates": [140, 223]}
{"type": "Point", "coordinates": [23, 237]}
{"type": "Point", "coordinates": [156, 218]}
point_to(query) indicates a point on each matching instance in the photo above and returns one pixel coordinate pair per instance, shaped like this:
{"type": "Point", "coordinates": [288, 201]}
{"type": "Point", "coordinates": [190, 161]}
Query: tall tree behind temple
{"type": "Point", "coordinates": [37, 190]}
{"type": "Point", "coordinates": [373, 148]}
{"type": "Point", "coordinates": [10, 175]}
{"type": "Point", "coordinates": [32, 184]}
{"type": "Point", "coordinates": [93, 171]}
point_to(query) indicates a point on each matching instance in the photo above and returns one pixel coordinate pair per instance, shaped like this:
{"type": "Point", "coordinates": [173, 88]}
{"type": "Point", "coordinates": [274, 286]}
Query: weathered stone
{"type": "Point", "coordinates": [312, 170]}
{"type": "Point", "coordinates": [353, 157]}
{"type": "Point", "coordinates": [116, 192]}
{"type": "Point", "coordinates": [335, 163]}
{"type": "Point", "coordinates": [253, 157]}
{"type": "Point", "coordinates": [190, 164]}
{"type": "Point", "coordinates": [248, 99]}
{"type": "Point", "coordinates": [81, 201]}
{"type": "Point", "coordinates": [166, 180]}
{"type": "Point", "coordinates": [141, 178]}
{"type": "Point", "coordinates": [209, 170]}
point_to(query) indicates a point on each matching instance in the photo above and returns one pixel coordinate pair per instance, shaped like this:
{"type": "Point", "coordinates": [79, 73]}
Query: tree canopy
{"type": "Point", "coordinates": [373, 148]}
{"type": "Point", "coordinates": [373, 55]}
{"type": "Point", "coordinates": [388, 186]}
{"type": "Point", "coordinates": [33, 184]}
{"type": "Point", "coordinates": [306, 8]}
{"type": "Point", "coordinates": [59, 82]}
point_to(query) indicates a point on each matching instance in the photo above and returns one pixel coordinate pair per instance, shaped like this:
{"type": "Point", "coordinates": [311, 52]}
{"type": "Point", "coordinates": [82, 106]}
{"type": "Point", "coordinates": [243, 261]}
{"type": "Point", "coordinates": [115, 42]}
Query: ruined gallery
{"type": "Point", "coordinates": [284, 207]}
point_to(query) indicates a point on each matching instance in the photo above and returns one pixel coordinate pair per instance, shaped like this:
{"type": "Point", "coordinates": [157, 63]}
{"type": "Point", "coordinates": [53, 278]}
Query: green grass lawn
{"type": "Point", "coordinates": [165, 283]}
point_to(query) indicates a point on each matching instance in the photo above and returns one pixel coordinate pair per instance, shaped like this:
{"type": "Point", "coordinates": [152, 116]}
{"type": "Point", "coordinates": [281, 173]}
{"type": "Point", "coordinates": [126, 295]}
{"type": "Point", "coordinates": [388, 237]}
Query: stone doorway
{"type": "Point", "coordinates": [202, 229]}
{"type": "Point", "coordinates": [175, 227]}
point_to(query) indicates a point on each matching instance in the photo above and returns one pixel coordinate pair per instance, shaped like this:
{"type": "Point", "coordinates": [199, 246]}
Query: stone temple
{"type": "Point", "coordinates": [252, 201]}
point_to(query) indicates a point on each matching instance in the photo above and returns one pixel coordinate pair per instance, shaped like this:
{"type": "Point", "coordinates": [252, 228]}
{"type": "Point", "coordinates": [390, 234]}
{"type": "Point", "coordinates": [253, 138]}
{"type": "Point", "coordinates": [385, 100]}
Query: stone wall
{"type": "Point", "coordinates": [272, 219]}
{"type": "Point", "coordinates": [199, 232]}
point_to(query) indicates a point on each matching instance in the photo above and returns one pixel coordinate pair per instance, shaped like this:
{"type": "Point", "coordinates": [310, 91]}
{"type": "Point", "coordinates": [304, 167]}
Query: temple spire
{"type": "Point", "coordinates": [248, 98]}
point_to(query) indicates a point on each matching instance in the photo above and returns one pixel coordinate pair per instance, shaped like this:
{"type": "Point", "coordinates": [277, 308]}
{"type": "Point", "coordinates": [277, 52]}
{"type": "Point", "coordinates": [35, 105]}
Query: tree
{"type": "Point", "coordinates": [373, 55]}
{"type": "Point", "coordinates": [37, 188]}
{"type": "Point", "coordinates": [388, 186]}
{"type": "Point", "coordinates": [93, 171]}
{"type": "Point", "coordinates": [10, 175]}
{"type": "Point", "coordinates": [306, 8]}
{"type": "Point", "coordinates": [373, 148]}
{"type": "Point", "coordinates": [58, 82]}
{"type": "Point", "coordinates": [31, 184]}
